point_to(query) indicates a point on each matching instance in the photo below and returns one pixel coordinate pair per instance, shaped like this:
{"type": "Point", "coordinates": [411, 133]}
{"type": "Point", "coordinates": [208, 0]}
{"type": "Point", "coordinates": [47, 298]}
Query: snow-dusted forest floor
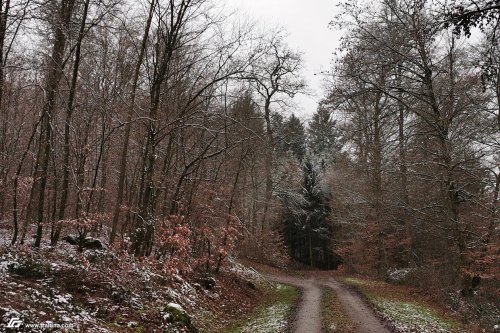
{"type": "Point", "coordinates": [60, 289]}
{"type": "Point", "coordinates": [96, 291]}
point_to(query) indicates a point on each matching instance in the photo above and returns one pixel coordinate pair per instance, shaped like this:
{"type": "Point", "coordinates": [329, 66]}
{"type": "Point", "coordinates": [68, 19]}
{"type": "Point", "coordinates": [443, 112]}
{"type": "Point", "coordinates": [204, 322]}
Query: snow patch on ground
{"type": "Point", "coordinates": [272, 320]}
{"type": "Point", "coordinates": [7, 260]}
{"type": "Point", "coordinates": [410, 317]}
{"type": "Point", "coordinates": [176, 306]}
{"type": "Point", "coordinates": [274, 317]}
{"type": "Point", "coordinates": [245, 272]}
{"type": "Point", "coordinates": [398, 274]}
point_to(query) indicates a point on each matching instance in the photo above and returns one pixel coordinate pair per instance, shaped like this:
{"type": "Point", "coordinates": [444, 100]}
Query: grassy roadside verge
{"type": "Point", "coordinates": [273, 315]}
{"type": "Point", "coordinates": [403, 308]}
{"type": "Point", "coordinates": [333, 315]}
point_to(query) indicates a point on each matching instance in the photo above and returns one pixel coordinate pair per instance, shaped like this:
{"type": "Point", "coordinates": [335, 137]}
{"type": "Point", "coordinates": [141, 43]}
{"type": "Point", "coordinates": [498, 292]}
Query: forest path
{"type": "Point", "coordinates": [308, 317]}
{"type": "Point", "coordinates": [360, 313]}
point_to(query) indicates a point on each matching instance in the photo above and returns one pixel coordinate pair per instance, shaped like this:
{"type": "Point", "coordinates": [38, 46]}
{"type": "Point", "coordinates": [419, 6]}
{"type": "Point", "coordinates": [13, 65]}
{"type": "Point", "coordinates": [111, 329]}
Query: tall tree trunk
{"type": "Point", "coordinates": [4, 15]}
{"type": "Point", "coordinates": [168, 41]}
{"type": "Point", "coordinates": [269, 163]}
{"type": "Point", "coordinates": [497, 91]}
{"type": "Point", "coordinates": [376, 175]}
{"type": "Point", "coordinates": [377, 187]}
{"type": "Point", "coordinates": [403, 170]}
{"type": "Point", "coordinates": [53, 76]}
{"type": "Point", "coordinates": [67, 127]}
{"type": "Point", "coordinates": [15, 205]}
{"type": "Point", "coordinates": [97, 167]}
{"type": "Point", "coordinates": [230, 208]}
{"type": "Point", "coordinates": [101, 202]}
{"type": "Point", "coordinates": [128, 124]}
{"type": "Point", "coordinates": [309, 243]}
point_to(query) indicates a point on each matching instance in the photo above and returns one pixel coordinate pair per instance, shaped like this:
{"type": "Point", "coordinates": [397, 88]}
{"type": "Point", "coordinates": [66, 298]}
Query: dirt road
{"type": "Point", "coordinates": [358, 311]}
{"type": "Point", "coordinates": [308, 318]}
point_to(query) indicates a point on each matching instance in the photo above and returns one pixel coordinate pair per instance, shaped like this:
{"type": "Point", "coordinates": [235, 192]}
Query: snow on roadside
{"type": "Point", "coordinates": [409, 317]}
{"type": "Point", "coordinates": [404, 316]}
{"type": "Point", "coordinates": [275, 315]}
{"type": "Point", "coordinates": [245, 271]}
{"type": "Point", "coordinates": [272, 320]}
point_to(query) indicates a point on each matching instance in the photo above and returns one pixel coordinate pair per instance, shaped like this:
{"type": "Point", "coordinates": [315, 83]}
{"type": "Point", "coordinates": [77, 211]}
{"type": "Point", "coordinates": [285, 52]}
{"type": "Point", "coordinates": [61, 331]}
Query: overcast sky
{"type": "Point", "coordinates": [307, 25]}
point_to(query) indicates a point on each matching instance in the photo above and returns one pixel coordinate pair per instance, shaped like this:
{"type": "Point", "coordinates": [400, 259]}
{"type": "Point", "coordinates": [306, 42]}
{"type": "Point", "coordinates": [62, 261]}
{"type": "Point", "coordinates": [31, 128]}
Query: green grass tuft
{"type": "Point", "coordinates": [274, 314]}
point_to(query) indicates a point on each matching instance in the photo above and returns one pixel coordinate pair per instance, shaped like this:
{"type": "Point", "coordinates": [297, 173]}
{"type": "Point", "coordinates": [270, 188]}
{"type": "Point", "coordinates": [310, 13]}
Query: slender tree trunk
{"type": "Point", "coordinates": [128, 124]}
{"type": "Point", "coordinates": [309, 241]}
{"type": "Point", "coordinates": [165, 172]}
{"type": "Point", "coordinates": [376, 165]}
{"type": "Point", "coordinates": [403, 169]}
{"type": "Point", "coordinates": [494, 211]}
{"type": "Point", "coordinates": [4, 15]}
{"type": "Point", "coordinates": [170, 37]}
{"type": "Point", "coordinates": [230, 208]}
{"type": "Point", "coordinates": [15, 205]}
{"type": "Point", "coordinates": [54, 73]}
{"type": "Point", "coordinates": [80, 183]}
{"type": "Point", "coordinates": [377, 192]}
{"type": "Point", "coordinates": [497, 91]}
{"type": "Point", "coordinates": [269, 162]}
{"type": "Point", "coordinates": [101, 202]}
{"type": "Point", "coordinates": [67, 127]}
{"type": "Point", "coordinates": [97, 167]}
{"type": "Point", "coordinates": [403, 172]}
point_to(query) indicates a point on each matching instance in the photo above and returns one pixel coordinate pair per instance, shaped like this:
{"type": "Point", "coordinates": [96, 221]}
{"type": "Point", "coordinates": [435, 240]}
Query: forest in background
{"type": "Point", "coordinates": [166, 130]}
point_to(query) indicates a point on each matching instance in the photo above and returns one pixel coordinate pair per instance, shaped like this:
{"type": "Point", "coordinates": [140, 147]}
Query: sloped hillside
{"type": "Point", "coordinates": [98, 291]}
